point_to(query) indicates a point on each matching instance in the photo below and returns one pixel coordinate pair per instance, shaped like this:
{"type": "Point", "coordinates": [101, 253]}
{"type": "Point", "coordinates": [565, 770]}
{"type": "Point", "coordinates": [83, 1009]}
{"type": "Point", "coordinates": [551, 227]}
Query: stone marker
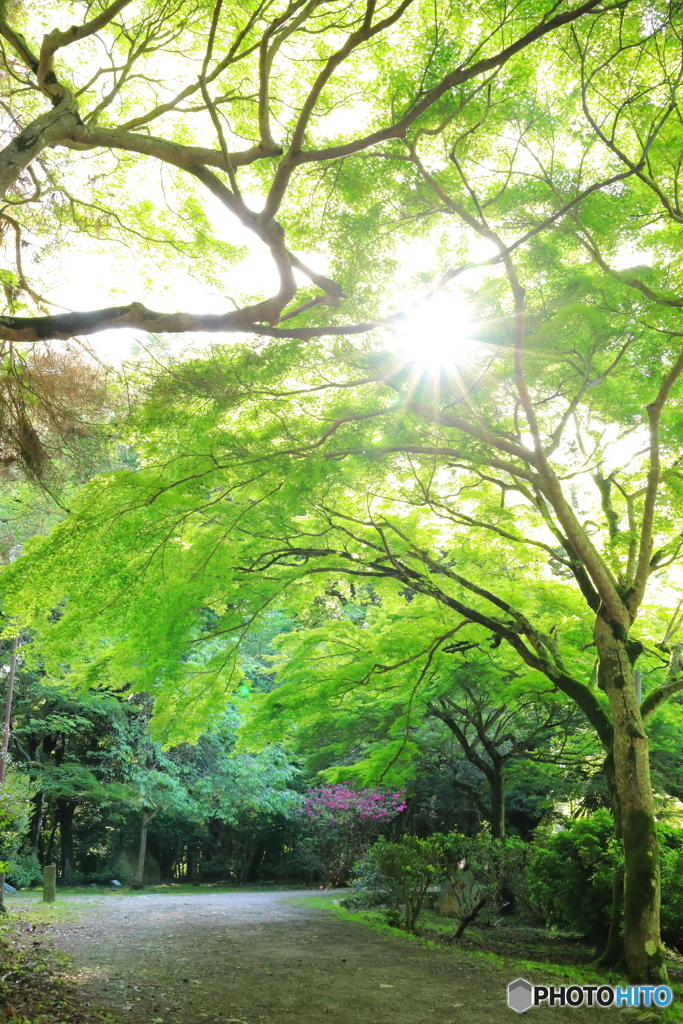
{"type": "Point", "coordinates": [49, 883]}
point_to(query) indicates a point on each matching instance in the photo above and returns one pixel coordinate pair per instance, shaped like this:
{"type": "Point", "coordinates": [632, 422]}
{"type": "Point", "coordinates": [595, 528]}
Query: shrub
{"type": "Point", "coordinates": [370, 889]}
{"type": "Point", "coordinates": [24, 871]}
{"type": "Point", "coordinates": [340, 823]}
{"type": "Point", "coordinates": [570, 875]}
{"type": "Point", "coordinates": [15, 811]}
{"type": "Point", "coordinates": [477, 869]}
{"type": "Point", "coordinates": [397, 876]}
{"type": "Point", "coordinates": [411, 865]}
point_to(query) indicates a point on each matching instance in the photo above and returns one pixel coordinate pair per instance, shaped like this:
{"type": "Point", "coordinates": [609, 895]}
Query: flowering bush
{"type": "Point", "coordinates": [340, 804]}
{"type": "Point", "coordinates": [340, 823]}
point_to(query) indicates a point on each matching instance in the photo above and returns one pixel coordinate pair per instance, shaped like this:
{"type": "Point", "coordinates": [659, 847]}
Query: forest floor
{"type": "Point", "coordinates": [250, 957]}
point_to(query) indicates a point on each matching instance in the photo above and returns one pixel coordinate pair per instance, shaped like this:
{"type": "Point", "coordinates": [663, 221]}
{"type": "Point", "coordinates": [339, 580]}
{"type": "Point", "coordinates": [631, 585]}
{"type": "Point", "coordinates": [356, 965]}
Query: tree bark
{"type": "Point", "coordinates": [139, 878]}
{"type": "Point", "coordinates": [65, 813]}
{"type": "Point", "coordinates": [613, 956]}
{"type": "Point", "coordinates": [196, 860]}
{"type": "Point", "coordinates": [643, 947]}
{"type": "Point", "coordinates": [46, 130]}
{"type": "Point", "coordinates": [469, 918]}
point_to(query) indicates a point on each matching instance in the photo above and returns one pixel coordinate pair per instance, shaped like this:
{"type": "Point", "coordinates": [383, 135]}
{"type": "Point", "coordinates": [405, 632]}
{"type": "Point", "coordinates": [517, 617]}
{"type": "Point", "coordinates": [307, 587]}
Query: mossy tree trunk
{"type": "Point", "coordinates": [613, 957]}
{"type": "Point", "coordinates": [643, 947]}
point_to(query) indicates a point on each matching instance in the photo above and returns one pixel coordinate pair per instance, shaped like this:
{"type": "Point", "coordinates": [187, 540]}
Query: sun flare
{"type": "Point", "coordinates": [435, 333]}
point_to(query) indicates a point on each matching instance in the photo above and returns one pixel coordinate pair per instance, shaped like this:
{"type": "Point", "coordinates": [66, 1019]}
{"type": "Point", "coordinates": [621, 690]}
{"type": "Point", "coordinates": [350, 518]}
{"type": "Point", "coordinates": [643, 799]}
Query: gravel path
{"type": "Point", "coordinates": [268, 957]}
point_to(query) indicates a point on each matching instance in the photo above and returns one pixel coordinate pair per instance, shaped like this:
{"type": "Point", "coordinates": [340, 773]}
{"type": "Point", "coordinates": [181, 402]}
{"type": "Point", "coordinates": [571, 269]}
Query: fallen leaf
{"type": "Point", "coordinates": [386, 986]}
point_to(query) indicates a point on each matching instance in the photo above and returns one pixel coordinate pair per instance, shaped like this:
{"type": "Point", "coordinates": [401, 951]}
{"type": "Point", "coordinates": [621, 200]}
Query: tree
{"type": "Point", "coordinates": [385, 677]}
{"type": "Point", "coordinates": [235, 790]}
{"type": "Point", "coordinates": [75, 750]}
{"type": "Point", "coordinates": [526, 487]}
{"type": "Point", "coordinates": [158, 791]}
{"type": "Point", "coordinates": [280, 73]}
{"type": "Point", "coordinates": [492, 736]}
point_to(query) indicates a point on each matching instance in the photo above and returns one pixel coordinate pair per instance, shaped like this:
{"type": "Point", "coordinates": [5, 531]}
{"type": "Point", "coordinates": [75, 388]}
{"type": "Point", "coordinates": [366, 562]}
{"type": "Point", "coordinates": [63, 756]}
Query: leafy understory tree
{"type": "Point", "coordinates": [370, 664]}
{"type": "Point", "coordinates": [412, 864]}
{"type": "Point", "coordinates": [158, 790]}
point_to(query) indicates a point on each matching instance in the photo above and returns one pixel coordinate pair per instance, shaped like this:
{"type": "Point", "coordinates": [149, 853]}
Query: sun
{"type": "Point", "coordinates": [435, 333]}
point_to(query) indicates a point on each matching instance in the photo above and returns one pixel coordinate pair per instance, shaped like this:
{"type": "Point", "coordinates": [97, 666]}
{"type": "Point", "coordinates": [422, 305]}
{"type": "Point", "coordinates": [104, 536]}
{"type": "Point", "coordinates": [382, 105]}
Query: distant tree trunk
{"type": "Point", "coordinates": [497, 783]}
{"type": "Point", "coordinates": [166, 860]}
{"type": "Point", "coordinates": [5, 746]}
{"type": "Point", "coordinates": [37, 824]}
{"type": "Point", "coordinates": [139, 878]}
{"type": "Point", "coordinates": [65, 814]}
{"type": "Point", "coordinates": [51, 843]}
{"type": "Point", "coordinates": [8, 715]}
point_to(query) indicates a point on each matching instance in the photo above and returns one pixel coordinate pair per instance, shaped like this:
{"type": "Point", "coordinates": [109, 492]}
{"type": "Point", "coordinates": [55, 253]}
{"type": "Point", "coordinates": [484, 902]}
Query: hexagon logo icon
{"type": "Point", "coordinates": [520, 995]}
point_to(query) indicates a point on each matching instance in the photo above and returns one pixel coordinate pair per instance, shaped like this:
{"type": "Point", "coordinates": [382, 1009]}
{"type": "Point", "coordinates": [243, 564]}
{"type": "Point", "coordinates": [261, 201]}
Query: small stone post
{"type": "Point", "coordinates": [49, 883]}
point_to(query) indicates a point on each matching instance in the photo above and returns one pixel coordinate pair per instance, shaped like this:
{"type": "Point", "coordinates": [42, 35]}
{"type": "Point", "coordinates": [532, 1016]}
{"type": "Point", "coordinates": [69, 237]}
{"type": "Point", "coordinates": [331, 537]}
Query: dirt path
{"type": "Point", "coordinates": [267, 957]}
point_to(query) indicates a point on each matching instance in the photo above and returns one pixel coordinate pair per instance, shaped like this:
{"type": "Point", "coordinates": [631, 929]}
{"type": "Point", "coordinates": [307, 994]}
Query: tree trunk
{"type": "Point", "coordinates": [613, 956]}
{"type": "Point", "coordinates": [51, 843]}
{"type": "Point", "coordinates": [642, 942]}
{"type": "Point", "coordinates": [196, 861]}
{"type": "Point", "coordinates": [37, 824]}
{"type": "Point", "coordinates": [139, 879]}
{"type": "Point", "coordinates": [497, 783]}
{"type": "Point", "coordinates": [65, 814]}
{"type": "Point", "coordinates": [166, 860]}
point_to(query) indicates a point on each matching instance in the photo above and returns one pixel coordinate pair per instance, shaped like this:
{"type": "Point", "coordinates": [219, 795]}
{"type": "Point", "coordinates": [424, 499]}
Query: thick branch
{"type": "Point", "coordinates": [654, 411]}
{"type": "Point", "coordinates": [56, 39]}
{"type": "Point", "coordinates": [185, 157]}
{"type": "Point", "coordinates": [47, 130]}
